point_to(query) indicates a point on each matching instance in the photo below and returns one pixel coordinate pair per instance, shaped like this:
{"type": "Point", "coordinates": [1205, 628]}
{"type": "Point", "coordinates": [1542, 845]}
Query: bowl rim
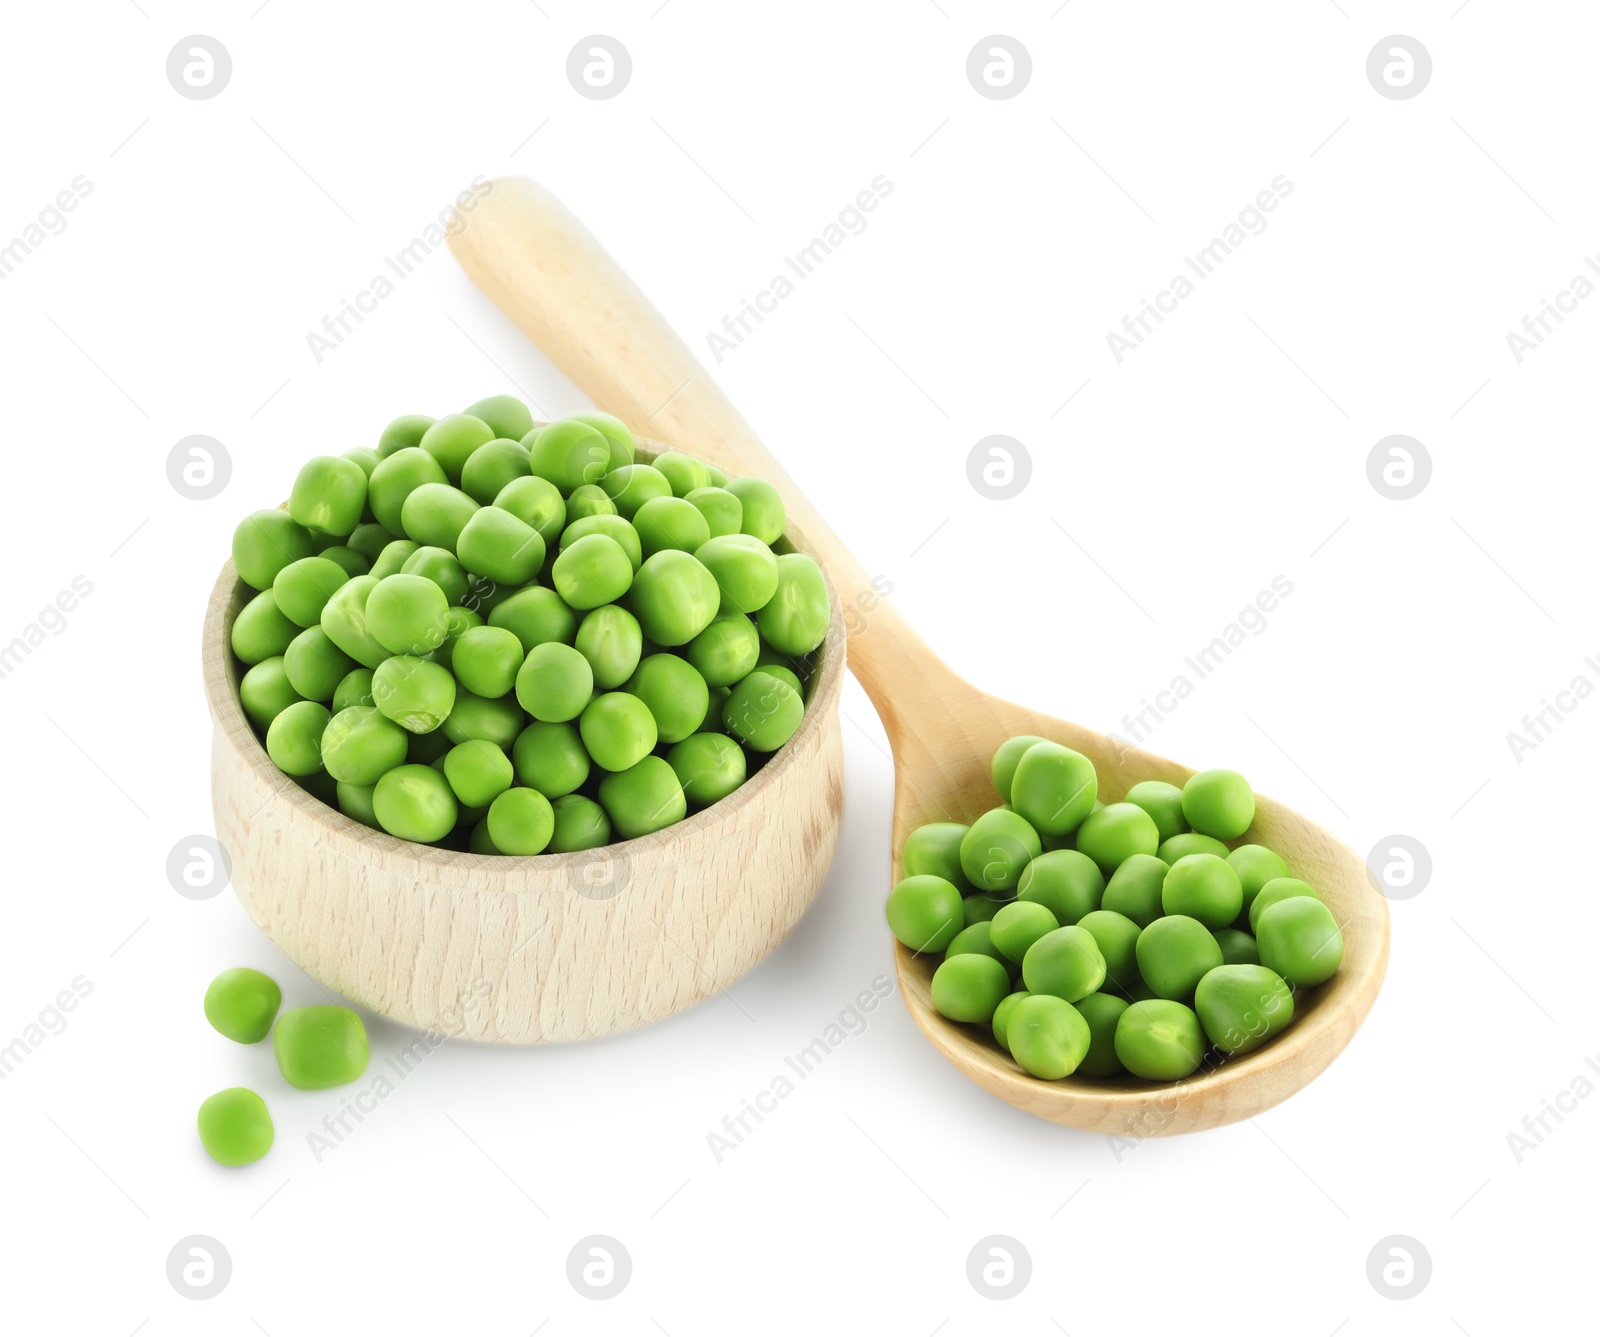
{"type": "Point", "coordinates": [221, 679]}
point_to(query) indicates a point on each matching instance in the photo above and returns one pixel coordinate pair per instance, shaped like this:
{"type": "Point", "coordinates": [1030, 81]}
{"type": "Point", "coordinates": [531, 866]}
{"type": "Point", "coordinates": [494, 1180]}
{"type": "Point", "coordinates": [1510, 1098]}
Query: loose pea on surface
{"type": "Point", "coordinates": [234, 1126]}
{"type": "Point", "coordinates": [241, 1004]}
{"type": "Point", "coordinates": [320, 1047]}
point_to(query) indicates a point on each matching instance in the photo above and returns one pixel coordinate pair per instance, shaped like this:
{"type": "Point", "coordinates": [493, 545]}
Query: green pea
{"type": "Point", "coordinates": [359, 744]}
{"type": "Point", "coordinates": [261, 630]}
{"type": "Point", "coordinates": [320, 1047]}
{"type": "Point", "coordinates": [416, 695]}
{"type": "Point", "coordinates": [980, 909]}
{"type": "Point", "coordinates": [1054, 788]}
{"type": "Point", "coordinates": [1134, 889]}
{"type": "Point", "coordinates": [457, 623]}
{"type": "Point", "coordinates": [479, 841]}
{"type": "Point", "coordinates": [1102, 1011]}
{"type": "Point", "coordinates": [1163, 802]}
{"type": "Point", "coordinates": [592, 571]}
{"type": "Point", "coordinates": [795, 620]}
{"type": "Point", "coordinates": [1047, 1036]}
{"type": "Point", "coordinates": [935, 847]}
{"type": "Point", "coordinates": [452, 440]}
{"type": "Point", "coordinates": [302, 589]}
{"type": "Point", "coordinates": [496, 720]}
{"type": "Point", "coordinates": [491, 468]}
{"type": "Point", "coordinates": [670, 523]}
{"type": "Point", "coordinates": [550, 758]}
{"type": "Point", "coordinates": [674, 597]}
{"type": "Point", "coordinates": [506, 415]}
{"type": "Point", "coordinates": [1002, 1015]}
{"type": "Point", "coordinates": [590, 499]}
{"type": "Point", "coordinates": [723, 512]}
{"type": "Point", "coordinates": [415, 802]}
{"type": "Point", "coordinates": [709, 766]}
{"type": "Point", "coordinates": [1003, 767]}
{"type": "Point", "coordinates": [976, 938]}
{"type": "Point", "coordinates": [266, 542]}
{"type": "Point", "coordinates": [1017, 926]}
{"type": "Point", "coordinates": [392, 560]}
{"type": "Point", "coordinates": [478, 772]}
{"type": "Point", "coordinates": [1203, 887]}
{"type": "Point", "coordinates": [643, 798]}
{"type": "Point", "coordinates": [436, 513]}
{"type": "Point", "coordinates": [1238, 948]}
{"type": "Point", "coordinates": [241, 1004]}
{"type": "Point", "coordinates": [355, 802]}
{"type": "Point", "coordinates": [1242, 1007]}
{"type": "Point", "coordinates": [537, 503]}
{"type": "Point", "coordinates": [369, 540]}
{"type": "Point", "coordinates": [555, 684]}
{"type": "Point", "coordinates": [294, 738]}
{"type": "Point", "coordinates": [568, 453]}
{"type": "Point", "coordinates": [395, 479]}
{"type": "Point", "coordinates": [1066, 963]}
{"type": "Point", "coordinates": [763, 712]}
{"type": "Point", "coordinates": [1160, 1040]}
{"type": "Point", "coordinates": [441, 567]}
{"type": "Point", "coordinates": [1219, 803]}
{"type": "Point", "coordinates": [746, 572]}
{"type": "Point", "coordinates": [423, 749]}
{"type": "Point", "coordinates": [408, 614]}
{"type": "Point", "coordinates": [969, 988]}
{"type": "Point", "coordinates": [497, 545]}
{"type": "Point", "coordinates": [1117, 936]}
{"type": "Point", "coordinates": [924, 912]}
{"type": "Point", "coordinates": [1186, 843]}
{"type": "Point", "coordinates": [265, 692]}
{"type": "Point", "coordinates": [762, 508]}
{"type": "Point", "coordinates": [674, 692]}
{"type": "Point", "coordinates": [632, 485]}
{"type": "Point", "coordinates": [713, 720]}
{"type": "Point", "coordinates": [352, 562]}
{"type": "Point", "coordinates": [486, 660]}
{"type": "Point", "coordinates": [1278, 889]}
{"type": "Point", "coordinates": [403, 433]}
{"type": "Point", "coordinates": [610, 639]}
{"type": "Point", "coordinates": [1256, 866]}
{"type": "Point", "coordinates": [536, 616]}
{"type": "Point", "coordinates": [234, 1126]}
{"type": "Point", "coordinates": [613, 527]}
{"type": "Point", "coordinates": [727, 650]}
{"type": "Point", "coordinates": [329, 495]}
{"type": "Point", "coordinates": [1299, 938]}
{"type": "Point", "coordinates": [618, 730]}
{"type": "Point", "coordinates": [619, 440]}
{"type": "Point", "coordinates": [1116, 833]}
{"type": "Point", "coordinates": [1174, 953]}
{"type": "Point", "coordinates": [996, 848]}
{"type": "Point", "coordinates": [684, 472]}
{"type": "Point", "coordinates": [580, 824]}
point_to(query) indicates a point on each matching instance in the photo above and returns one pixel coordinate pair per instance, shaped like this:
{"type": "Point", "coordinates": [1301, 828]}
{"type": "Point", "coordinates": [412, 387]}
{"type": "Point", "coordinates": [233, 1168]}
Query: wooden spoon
{"type": "Point", "coordinates": [544, 269]}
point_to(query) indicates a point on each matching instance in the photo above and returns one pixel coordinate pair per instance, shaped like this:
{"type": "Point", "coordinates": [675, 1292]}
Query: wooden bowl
{"type": "Point", "coordinates": [526, 950]}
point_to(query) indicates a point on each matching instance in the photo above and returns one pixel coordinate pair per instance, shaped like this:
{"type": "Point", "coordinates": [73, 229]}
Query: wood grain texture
{"type": "Point", "coordinates": [544, 269]}
{"type": "Point", "coordinates": [550, 948]}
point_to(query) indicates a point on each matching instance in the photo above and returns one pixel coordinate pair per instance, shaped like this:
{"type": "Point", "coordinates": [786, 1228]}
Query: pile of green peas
{"type": "Point", "coordinates": [1136, 937]}
{"type": "Point", "coordinates": [316, 1048]}
{"type": "Point", "coordinates": [512, 638]}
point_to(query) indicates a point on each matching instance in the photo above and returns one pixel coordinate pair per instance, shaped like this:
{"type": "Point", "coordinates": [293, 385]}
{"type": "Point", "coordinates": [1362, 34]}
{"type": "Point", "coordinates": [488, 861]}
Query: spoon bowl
{"type": "Point", "coordinates": [545, 271]}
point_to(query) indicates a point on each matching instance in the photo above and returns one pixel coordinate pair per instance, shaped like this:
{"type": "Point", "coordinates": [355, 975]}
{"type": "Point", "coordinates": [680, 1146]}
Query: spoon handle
{"type": "Point", "coordinates": [545, 270]}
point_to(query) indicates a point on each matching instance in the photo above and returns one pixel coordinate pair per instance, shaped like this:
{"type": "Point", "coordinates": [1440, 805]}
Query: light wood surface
{"type": "Point", "coordinates": [545, 270]}
{"type": "Point", "coordinates": [526, 950]}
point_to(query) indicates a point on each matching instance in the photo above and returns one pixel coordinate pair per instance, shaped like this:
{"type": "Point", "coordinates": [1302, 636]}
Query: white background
{"type": "Point", "coordinates": [1169, 491]}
